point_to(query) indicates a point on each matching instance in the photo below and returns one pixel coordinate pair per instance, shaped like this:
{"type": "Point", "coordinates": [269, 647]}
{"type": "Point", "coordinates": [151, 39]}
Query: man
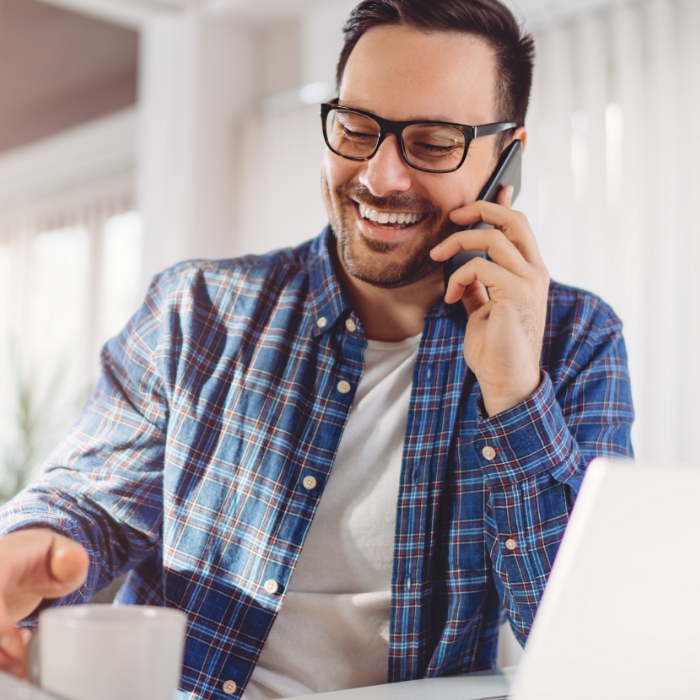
{"type": "Point", "coordinates": [322, 438]}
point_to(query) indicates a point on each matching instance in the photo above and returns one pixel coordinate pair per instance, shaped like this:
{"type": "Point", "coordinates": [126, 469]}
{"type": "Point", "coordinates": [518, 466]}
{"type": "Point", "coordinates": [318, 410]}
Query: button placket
{"type": "Point", "coordinates": [271, 586]}
{"type": "Point", "coordinates": [489, 453]}
{"type": "Point", "coordinates": [229, 687]}
{"type": "Point", "coordinates": [309, 482]}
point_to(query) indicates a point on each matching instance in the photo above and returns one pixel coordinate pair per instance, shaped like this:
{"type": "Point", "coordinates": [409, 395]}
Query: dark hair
{"type": "Point", "coordinates": [488, 19]}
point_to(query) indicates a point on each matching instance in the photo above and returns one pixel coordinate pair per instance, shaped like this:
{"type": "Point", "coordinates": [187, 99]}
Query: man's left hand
{"type": "Point", "coordinates": [503, 340]}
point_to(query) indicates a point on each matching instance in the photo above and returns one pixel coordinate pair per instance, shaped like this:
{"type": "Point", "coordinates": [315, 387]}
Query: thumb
{"type": "Point", "coordinates": [68, 565]}
{"type": "Point", "coordinates": [34, 564]}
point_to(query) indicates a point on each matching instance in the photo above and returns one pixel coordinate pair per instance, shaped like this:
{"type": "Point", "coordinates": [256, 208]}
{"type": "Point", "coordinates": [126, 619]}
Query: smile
{"type": "Point", "coordinates": [389, 217]}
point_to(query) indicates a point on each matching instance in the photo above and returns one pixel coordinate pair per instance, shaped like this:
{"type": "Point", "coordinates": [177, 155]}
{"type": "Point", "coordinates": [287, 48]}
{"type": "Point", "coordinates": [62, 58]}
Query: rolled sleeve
{"type": "Point", "coordinates": [102, 486]}
{"type": "Point", "coordinates": [534, 456]}
{"type": "Point", "coordinates": [527, 439]}
{"type": "Point", "coordinates": [27, 511]}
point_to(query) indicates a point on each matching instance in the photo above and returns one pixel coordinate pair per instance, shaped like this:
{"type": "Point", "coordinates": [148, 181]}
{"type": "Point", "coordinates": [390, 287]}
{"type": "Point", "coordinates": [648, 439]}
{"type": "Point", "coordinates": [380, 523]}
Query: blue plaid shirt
{"type": "Point", "coordinates": [222, 394]}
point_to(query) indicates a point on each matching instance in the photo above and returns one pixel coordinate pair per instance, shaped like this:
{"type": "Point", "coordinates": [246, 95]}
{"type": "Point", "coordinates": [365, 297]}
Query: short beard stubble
{"type": "Point", "coordinates": [382, 271]}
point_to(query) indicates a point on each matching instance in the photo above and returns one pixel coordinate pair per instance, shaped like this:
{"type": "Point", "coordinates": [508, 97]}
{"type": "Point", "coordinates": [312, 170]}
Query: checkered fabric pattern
{"type": "Point", "coordinates": [222, 394]}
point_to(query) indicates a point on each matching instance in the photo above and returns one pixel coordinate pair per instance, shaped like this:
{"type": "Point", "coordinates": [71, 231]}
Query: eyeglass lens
{"type": "Point", "coordinates": [435, 147]}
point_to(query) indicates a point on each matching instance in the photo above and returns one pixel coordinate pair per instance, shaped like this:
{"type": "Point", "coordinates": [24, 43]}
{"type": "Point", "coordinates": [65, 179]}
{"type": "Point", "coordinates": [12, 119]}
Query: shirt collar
{"type": "Point", "coordinates": [329, 302]}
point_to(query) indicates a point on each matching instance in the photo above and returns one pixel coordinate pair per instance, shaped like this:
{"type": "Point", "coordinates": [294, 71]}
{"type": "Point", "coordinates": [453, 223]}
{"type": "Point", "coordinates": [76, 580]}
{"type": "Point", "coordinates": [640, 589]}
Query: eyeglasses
{"type": "Point", "coordinates": [433, 147]}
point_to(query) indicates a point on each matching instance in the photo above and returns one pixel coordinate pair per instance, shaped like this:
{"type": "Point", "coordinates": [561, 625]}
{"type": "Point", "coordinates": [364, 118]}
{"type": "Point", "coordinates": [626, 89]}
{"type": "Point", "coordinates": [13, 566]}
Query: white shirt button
{"type": "Point", "coordinates": [351, 325]}
{"type": "Point", "coordinates": [230, 687]}
{"type": "Point", "coordinates": [309, 482]}
{"type": "Point", "coordinates": [344, 387]}
{"type": "Point", "coordinates": [322, 322]}
{"type": "Point", "coordinates": [488, 452]}
{"type": "Point", "coordinates": [510, 544]}
{"type": "Point", "coordinates": [271, 586]}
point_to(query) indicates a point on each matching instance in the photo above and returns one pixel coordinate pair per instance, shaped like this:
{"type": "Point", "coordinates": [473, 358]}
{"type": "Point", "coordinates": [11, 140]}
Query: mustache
{"type": "Point", "coordinates": [402, 201]}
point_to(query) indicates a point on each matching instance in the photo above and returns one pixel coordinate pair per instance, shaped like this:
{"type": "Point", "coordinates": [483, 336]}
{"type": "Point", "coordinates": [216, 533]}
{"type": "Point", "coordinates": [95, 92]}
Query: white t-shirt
{"type": "Point", "coordinates": [333, 629]}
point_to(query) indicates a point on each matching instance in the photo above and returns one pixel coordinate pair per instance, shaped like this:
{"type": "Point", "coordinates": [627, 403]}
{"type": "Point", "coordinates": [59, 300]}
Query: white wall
{"type": "Point", "coordinates": [196, 77]}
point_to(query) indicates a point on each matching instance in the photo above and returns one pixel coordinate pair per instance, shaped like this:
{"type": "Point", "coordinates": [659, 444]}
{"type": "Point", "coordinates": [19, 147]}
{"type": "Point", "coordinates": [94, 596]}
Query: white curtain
{"type": "Point", "coordinates": [612, 172]}
{"type": "Point", "coordinates": [612, 177]}
{"type": "Point", "coordinates": [70, 267]}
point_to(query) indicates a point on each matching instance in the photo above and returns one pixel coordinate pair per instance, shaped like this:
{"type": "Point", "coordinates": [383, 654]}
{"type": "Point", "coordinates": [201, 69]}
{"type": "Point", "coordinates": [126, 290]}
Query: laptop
{"type": "Point", "coordinates": [620, 617]}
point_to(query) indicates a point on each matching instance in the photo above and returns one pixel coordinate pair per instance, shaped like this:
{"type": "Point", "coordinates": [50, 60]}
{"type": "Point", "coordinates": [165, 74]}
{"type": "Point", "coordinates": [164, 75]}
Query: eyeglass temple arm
{"type": "Point", "coordinates": [489, 129]}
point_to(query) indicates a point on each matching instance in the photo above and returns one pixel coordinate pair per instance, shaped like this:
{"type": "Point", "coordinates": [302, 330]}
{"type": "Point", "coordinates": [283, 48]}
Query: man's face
{"type": "Point", "coordinates": [403, 74]}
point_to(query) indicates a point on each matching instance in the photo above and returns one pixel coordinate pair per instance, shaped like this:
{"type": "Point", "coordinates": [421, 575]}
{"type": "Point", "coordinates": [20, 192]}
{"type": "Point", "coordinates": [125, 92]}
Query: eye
{"type": "Point", "coordinates": [355, 134]}
{"type": "Point", "coordinates": [435, 148]}
{"type": "Point", "coordinates": [431, 142]}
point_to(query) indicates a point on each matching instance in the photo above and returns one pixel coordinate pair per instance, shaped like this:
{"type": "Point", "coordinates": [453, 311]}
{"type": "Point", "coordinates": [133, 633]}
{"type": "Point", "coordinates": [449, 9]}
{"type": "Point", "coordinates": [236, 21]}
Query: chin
{"type": "Point", "coordinates": [378, 255]}
{"type": "Point", "coordinates": [385, 264]}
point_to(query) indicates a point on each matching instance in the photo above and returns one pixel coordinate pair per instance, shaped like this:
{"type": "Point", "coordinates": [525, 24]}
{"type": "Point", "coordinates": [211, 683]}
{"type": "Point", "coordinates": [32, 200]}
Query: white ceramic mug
{"type": "Point", "coordinates": [105, 652]}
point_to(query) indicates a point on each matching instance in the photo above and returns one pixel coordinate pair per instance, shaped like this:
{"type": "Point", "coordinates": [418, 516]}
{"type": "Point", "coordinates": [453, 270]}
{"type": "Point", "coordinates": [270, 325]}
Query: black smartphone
{"type": "Point", "coordinates": [507, 172]}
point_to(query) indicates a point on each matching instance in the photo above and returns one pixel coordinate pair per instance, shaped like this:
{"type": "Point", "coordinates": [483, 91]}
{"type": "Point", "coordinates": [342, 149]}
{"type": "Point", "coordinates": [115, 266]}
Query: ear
{"type": "Point", "coordinates": [521, 134]}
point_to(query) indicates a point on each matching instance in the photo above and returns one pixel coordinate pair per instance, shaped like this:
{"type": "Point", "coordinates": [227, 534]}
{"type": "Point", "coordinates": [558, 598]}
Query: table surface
{"type": "Point", "coordinates": [13, 689]}
{"type": "Point", "coordinates": [475, 686]}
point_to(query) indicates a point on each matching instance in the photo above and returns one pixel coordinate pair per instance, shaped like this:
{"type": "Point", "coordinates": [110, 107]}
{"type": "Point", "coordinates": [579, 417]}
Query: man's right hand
{"type": "Point", "coordinates": [34, 564]}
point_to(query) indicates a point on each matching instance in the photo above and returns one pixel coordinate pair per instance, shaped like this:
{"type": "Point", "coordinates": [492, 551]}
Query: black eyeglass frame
{"type": "Point", "coordinates": [386, 127]}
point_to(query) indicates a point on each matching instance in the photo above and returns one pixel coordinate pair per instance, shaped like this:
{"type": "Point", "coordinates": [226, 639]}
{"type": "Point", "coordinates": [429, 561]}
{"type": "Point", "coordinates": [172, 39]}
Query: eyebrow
{"type": "Point", "coordinates": [444, 120]}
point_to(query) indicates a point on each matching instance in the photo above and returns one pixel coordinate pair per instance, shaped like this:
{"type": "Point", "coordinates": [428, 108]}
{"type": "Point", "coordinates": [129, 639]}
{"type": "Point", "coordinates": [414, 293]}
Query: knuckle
{"type": "Point", "coordinates": [500, 239]}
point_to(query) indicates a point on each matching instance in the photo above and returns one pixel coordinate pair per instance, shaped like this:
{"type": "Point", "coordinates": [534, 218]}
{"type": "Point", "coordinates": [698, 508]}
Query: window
{"type": "Point", "coordinates": [63, 292]}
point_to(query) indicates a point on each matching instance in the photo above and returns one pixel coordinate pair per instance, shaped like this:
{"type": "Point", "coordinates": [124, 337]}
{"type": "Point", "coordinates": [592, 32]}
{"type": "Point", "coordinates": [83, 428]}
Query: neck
{"type": "Point", "coordinates": [391, 315]}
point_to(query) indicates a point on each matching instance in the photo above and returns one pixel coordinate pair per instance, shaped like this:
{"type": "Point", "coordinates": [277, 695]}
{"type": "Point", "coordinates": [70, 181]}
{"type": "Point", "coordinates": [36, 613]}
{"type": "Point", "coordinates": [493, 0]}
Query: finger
{"type": "Point", "coordinates": [474, 297]}
{"type": "Point", "coordinates": [477, 270]}
{"type": "Point", "coordinates": [69, 565]}
{"type": "Point", "coordinates": [505, 196]}
{"type": "Point", "coordinates": [12, 648]}
{"type": "Point", "coordinates": [35, 564]}
{"type": "Point", "coordinates": [514, 225]}
{"type": "Point", "coordinates": [14, 668]}
{"type": "Point", "coordinates": [493, 241]}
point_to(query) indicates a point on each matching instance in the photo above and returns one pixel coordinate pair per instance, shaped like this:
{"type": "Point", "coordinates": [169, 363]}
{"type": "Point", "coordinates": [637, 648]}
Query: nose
{"type": "Point", "coordinates": [387, 172]}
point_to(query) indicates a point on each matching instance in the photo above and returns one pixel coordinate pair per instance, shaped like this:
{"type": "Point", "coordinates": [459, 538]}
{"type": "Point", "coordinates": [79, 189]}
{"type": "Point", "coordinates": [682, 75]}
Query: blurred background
{"type": "Point", "coordinates": [136, 133]}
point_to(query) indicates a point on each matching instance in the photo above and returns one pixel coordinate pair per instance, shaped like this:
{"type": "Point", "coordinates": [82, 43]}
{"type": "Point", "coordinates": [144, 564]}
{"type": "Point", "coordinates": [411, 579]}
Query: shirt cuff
{"type": "Point", "coordinates": [25, 512]}
{"type": "Point", "coordinates": [525, 440]}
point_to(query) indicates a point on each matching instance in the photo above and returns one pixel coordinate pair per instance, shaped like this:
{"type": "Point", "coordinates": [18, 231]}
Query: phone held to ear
{"type": "Point", "coordinates": [507, 172]}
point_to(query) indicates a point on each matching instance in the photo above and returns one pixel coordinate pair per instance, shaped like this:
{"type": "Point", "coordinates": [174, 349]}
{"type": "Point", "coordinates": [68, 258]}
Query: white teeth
{"type": "Point", "coordinates": [383, 217]}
